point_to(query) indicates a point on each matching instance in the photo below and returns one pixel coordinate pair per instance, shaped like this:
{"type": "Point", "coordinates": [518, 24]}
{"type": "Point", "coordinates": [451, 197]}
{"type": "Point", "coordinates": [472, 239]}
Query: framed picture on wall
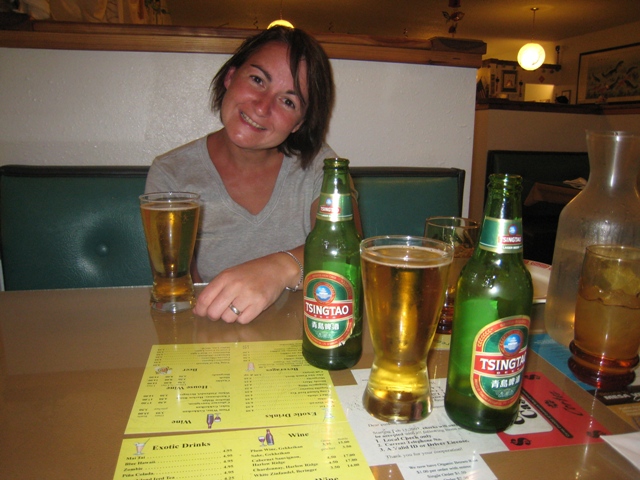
{"type": "Point", "coordinates": [611, 75]}
{"type": "Point", "coordinates": [509, 81]}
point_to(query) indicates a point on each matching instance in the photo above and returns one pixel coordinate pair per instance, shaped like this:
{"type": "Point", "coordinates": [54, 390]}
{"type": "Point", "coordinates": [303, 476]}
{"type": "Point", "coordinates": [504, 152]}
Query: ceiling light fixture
{"type": "Point", "coordinates": [280, 22]}
{"type": "Point", "coordinates": [531, 55]}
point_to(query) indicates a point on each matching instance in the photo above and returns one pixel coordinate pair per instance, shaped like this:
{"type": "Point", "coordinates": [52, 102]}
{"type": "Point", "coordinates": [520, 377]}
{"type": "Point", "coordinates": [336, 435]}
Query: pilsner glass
{"type": "Point", "coordinates": [462, 234]}
{"type": "Point", "coordinates": [170, 221]}
{"type": "Point", "coordinates": [404, 279]}
{"type": "Point", "coordinates": [607, 317]}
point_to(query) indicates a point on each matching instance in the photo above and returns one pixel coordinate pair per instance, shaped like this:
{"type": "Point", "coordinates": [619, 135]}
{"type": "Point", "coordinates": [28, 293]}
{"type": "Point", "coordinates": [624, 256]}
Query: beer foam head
{"type": "Point", "coordinates": [171, 206]}
{"type": "Point", "coordinates": [407, 256]}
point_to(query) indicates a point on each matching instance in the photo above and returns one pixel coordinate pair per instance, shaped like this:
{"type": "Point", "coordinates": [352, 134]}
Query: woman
{"type": "Point", "coordinates": [259, 176]}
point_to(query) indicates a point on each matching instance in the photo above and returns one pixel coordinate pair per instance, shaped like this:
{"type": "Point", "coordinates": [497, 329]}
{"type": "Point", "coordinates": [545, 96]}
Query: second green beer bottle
{"type": "Point", "coordinates": [491, 319]}
{"type": "Point", "coordinates": [332, 337]}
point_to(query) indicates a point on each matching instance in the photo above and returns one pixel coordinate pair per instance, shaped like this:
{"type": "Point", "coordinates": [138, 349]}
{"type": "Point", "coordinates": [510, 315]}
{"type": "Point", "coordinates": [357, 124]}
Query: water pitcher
{"type": "Point", "coordinates": [607, 211]}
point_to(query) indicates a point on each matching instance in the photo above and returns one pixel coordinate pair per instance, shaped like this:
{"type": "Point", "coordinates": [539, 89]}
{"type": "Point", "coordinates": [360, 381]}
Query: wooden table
{"type": "Point", "coordinates": [71, 362]}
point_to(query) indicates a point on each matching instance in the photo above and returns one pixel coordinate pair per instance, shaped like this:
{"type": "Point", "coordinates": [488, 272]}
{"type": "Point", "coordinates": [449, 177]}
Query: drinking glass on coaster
{"type": "Point", "coordinates": [462, 234]}
{"type": "Point", "coordinates": [607, 321]}
{"type": "Point", "coordinates": [170, 221]}
{"type": "Point", "coordinates": [404, 280]}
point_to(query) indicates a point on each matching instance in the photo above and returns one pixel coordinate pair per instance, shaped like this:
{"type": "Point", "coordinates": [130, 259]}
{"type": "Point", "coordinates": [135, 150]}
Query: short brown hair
{"type": "Point", "coordinates": [307, 140]}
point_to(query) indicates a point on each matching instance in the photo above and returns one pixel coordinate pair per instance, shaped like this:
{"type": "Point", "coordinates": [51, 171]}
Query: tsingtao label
{"type": "Point", "coordinates": [498, 361]}
{"type": "Point", "coordinates": [328, 308]}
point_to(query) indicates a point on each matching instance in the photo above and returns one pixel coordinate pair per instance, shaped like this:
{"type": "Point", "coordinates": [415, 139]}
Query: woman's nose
{"type": "Point", "coordinates": [263, 104]}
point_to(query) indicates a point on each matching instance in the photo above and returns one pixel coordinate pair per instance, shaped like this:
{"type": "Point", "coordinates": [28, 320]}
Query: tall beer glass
{"type": "Point", "coordinates": [404, 280]}
{"type": "Point", "coordinates": [462, 234]}
{"type": "Point", "coordinates": [170, 221]}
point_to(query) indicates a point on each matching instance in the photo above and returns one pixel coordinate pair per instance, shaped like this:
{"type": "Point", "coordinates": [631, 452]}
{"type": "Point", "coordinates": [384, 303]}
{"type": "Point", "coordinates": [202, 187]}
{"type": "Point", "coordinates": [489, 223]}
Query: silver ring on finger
{"type": "Point", "coordinates": [234, 309]}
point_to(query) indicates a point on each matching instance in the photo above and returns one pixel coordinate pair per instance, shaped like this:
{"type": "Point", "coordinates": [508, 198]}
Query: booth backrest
{"type": "Point", "coordinates": [545, 167]}
{"type": "Point", "coordinates": [540, 220]}
{"type": "Point", "coordinates": [72, 227]}
{"type": "Point", "coordinates": [78, 227]}
{"type": "Point", "coordinates": [398, 200]}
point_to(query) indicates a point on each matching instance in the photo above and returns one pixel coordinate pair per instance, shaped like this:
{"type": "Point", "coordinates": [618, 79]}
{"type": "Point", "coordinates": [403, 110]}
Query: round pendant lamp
{"type": "Point", "coordinates": [531, 55]}
{"type": "Point", "coordinates": [280, 22]}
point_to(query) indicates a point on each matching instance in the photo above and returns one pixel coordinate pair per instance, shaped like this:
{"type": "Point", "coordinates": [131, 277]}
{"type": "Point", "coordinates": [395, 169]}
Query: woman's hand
{"type": "Point", "coordinates": [249, 288]}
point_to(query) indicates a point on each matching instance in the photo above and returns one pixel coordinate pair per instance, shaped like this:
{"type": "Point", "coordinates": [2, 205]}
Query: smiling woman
{"type": "Point", "coordinates": [259, 176]}
{"type": "Point", "coordinates": [307, 65]}
{"type": "Point", "coordinates": [258, 108]}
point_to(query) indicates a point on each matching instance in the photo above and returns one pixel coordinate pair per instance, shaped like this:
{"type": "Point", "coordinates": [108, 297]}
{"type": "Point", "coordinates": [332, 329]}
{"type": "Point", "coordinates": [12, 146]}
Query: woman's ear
{"type": "Point", "coordinates": [229, 76]}
{"type": "Point", "coordinates": [297, 127]}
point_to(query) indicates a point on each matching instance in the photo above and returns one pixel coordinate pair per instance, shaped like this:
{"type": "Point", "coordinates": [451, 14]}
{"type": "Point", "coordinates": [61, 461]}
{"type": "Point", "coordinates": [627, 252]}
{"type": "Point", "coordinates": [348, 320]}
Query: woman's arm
{"type": "Point", "coordinates": [253, 286]}
{"type": "Point", "coordinates": [250, 287]}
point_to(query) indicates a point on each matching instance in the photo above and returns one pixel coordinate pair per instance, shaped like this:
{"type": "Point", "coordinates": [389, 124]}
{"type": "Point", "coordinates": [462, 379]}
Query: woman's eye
{"type": "Point", "coordinates": [256, 79]}
{"type": "Point", "coordinates": [289, 103]}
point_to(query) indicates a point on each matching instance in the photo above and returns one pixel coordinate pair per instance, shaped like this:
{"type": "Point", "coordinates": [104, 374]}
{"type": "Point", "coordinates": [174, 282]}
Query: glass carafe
{"type": "Point", "coordinates": [607, 211]}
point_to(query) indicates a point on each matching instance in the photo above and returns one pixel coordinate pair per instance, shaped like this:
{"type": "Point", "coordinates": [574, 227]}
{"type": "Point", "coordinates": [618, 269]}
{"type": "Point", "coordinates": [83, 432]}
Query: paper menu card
{"type": "Point", "coordinates": [437, 448]}
{"type": "Point", "coordinates": [290, 453]}
{"type": "Point", "coordinates": [192, 387]}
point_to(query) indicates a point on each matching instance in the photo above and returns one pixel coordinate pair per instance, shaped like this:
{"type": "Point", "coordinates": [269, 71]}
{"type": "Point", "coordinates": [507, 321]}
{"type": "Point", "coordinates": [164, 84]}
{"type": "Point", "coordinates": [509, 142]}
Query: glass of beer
{"type": "Point", "coordinates": [404, 280]}
{"type": "Point", "coordinates": [607, 321]}
{"type": "Point", "coordinates": [170, 221]}
{"type": "Point", "coordinates": [462, 234]}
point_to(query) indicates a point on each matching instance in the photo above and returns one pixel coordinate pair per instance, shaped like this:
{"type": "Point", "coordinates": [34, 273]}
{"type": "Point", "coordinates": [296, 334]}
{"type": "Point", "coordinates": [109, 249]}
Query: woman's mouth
{"type": "Point", "coordinates": [246, 118]}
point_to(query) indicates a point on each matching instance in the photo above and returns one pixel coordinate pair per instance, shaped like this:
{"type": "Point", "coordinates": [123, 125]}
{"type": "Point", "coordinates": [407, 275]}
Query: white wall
{"type": "Point", "coordinates": [124, 108]}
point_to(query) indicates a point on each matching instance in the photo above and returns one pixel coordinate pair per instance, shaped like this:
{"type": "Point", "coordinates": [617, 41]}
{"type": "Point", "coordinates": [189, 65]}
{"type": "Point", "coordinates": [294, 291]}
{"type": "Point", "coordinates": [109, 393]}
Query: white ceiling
{"type": "Point", "coordinates": [493, 21]}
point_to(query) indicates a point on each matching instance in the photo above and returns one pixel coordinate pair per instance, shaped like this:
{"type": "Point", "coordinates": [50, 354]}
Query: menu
{"type": "Point", "coordinates": [441, 341]}
{"type": "Point", "coordinates": [432, 448]}
{"type": "Point", "coordinates": [290, 453]}
{"type": "Point", "coordinates": [438, 448]}
{"type": "Point", "coordinates": [259, 409]}
{"type": "Point", "coordinates": [256, 410]}
{"type": "Point", "coordinates": [219, 386]}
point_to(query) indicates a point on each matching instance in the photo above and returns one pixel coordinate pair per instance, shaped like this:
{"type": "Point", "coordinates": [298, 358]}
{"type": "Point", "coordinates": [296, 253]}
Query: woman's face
{"type": "Point", "coordinates": [260, 107]}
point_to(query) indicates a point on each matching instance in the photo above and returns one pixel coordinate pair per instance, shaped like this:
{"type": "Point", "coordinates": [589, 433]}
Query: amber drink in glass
{"type": "Point", "coordinates": [404, 280]}
{"type": "Point", "coordinates": [170, 221]}
{"type": "Point", "coordinates": [462, 234]}
{"type": "Point", "coordinates": [607, 317]}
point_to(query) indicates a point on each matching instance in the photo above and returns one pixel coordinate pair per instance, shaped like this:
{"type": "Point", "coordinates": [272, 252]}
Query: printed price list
{"type": "Point", "coordinates": [303, 451]}
{"type": "Point", "coordinates": [223, 386]}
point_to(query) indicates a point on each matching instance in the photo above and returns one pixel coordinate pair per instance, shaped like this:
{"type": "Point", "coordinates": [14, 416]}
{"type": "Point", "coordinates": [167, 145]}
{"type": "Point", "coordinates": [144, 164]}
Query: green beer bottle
{"type": "Point", "coordinates": [491, 318]}
{"type": "Point", "coordinates": [332, 337]}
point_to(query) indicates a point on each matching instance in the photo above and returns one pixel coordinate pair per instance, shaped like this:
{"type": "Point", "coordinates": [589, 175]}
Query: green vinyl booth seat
{"type": "Point", "coordinates": [72, 227]}
{"type": "Point", "coordinates": [398, 200]}
{"type": "Point", "coordinates": [80, 227]}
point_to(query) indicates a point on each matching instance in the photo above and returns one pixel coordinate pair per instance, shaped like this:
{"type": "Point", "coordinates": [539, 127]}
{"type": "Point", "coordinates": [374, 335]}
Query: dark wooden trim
{"type": "Point", "coordinates": [159, 38]}
{"type": "Point", "coordinates": [503, 104]}
{"type": "Point", "coordinates": [73, 171]}
{"type": "Point", "coordinates": [620, 109]}
{"type": "Point", "coordinates": [514, 64]}
{"type": "Point", "coordinates": [589, 109]}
